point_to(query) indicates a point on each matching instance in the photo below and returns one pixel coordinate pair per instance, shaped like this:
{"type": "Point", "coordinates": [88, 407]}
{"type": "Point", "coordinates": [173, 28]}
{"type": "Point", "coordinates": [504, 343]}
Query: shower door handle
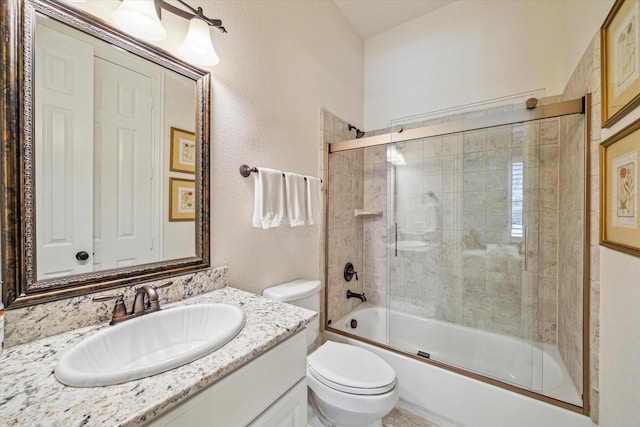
{"type": "Point", "coordinates": [526, 248]}
{"type": "Point", "coordinates": [396, 239]}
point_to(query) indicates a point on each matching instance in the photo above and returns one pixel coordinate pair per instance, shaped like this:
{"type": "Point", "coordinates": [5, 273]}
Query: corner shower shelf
{"type": "Point", "coordinates": [366, 213]}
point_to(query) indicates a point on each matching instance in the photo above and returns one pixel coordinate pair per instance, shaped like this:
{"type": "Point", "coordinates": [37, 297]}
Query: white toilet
{"type": "Point", "coordinates": [348, 385]}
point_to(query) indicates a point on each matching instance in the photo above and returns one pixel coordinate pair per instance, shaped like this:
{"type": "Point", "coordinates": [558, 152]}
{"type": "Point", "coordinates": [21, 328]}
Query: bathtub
{"type": "Point", "coordinates": [450, 399]}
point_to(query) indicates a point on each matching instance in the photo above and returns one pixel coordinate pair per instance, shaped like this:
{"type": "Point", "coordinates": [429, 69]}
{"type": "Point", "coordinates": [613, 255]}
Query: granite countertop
{"type": "Point", "coordinates": [31, 395]}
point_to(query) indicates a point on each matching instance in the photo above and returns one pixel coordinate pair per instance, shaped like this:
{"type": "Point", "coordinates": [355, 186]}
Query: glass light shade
{"type": "Point", "coordinates": [395, 157]}
{"type": "Point", "coordinates": [197, 47]}
{"type": "Point", "coordinates": [139, 18]}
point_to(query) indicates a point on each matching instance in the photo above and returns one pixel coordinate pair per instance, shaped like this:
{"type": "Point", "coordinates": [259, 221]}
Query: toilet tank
{"type": "Point", "coordinates": [301, 293]}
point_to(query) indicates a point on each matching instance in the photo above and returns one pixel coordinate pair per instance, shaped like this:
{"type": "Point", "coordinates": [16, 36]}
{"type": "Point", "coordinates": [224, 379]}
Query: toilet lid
{"type": "Point", "coordinates": [351, 369]}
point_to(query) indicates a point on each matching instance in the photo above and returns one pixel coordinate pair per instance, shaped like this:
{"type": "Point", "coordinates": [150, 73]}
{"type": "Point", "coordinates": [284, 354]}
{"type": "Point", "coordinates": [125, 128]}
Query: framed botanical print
{"type": "Point", "coordinates": [620, 61]}
{"type": "Point", "coordinates": [182, 199]}
{"type": "Point", "coordinates": [183, 151]}
{"type": "Point", "coordinates": [619, 155]}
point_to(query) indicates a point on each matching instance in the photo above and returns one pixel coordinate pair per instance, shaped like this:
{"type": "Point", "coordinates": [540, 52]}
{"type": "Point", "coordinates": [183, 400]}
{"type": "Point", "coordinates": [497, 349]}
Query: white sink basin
{"type": "Point", "coordinates": [149, 344]}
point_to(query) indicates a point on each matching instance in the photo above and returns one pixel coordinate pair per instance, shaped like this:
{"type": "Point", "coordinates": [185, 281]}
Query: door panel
{"type": "Point", "coordinates": [63, 83]}
{"type": "Point", "coordinates": [123, 115]}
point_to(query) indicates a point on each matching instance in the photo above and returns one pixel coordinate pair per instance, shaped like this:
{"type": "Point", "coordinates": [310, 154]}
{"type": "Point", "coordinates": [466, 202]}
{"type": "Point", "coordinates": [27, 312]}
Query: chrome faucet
{"type": "Point", "coordinates": [120, 313]}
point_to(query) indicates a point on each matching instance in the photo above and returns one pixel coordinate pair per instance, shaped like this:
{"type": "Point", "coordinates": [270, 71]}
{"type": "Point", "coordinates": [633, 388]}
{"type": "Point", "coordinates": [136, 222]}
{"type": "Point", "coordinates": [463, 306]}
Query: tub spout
{"type": "Point", "coordinates": [356, 295]}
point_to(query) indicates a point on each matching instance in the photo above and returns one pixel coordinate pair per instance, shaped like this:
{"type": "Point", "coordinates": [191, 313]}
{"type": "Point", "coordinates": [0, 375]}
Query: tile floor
{"type": "Point", "coordinates": [399, 417]}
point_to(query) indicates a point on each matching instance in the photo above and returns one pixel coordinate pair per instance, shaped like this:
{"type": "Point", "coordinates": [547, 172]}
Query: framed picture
{"type": "Point", "coordinates": [620, 61]}
{"type": "Point", "coordinates": [183, 151]}
{"type": "Point", "coordinates": [619, 155]}
{"type": "Point", "coordinates": [182, 199]}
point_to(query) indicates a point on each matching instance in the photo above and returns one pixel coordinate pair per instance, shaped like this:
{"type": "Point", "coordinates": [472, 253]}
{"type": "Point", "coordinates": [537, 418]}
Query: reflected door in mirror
{"type": "Point", "coordinates": [64, 149]}
{"type": "Point", "coordinates": [122, 168]}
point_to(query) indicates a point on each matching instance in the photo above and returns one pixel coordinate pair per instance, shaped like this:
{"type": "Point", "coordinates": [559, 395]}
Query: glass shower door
{"type": "Point", "coordinates": [463, 279]}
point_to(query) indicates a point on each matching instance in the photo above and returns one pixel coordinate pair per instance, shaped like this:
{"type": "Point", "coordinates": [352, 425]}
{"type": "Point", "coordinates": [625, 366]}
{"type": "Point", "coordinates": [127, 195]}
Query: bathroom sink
{"type": "Point", "coordinates": [149, 344]}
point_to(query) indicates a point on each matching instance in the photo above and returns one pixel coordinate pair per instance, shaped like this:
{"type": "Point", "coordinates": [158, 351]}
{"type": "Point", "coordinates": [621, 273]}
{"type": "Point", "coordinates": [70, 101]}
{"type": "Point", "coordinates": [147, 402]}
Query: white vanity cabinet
{"type": "Point", "coordinates": [269, 391]}
{"type": "Point", "coordinates": [288, 411]}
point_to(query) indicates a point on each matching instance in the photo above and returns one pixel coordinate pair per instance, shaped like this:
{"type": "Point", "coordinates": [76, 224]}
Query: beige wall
{"type": "Point", "coordinates": [465, 52]}
{"type": "Point", "coordinates": [179, 236]}
{"type": "Point", "coordinates": [472, 51]}
{"type": "Point", "coordinates": [281, 61]}
{"type": "Point", "coordinates": [581, 19]}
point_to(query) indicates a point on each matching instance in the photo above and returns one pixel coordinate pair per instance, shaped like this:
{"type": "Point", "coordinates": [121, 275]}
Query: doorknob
{"type": "Point", "coordinates": [82, 256]}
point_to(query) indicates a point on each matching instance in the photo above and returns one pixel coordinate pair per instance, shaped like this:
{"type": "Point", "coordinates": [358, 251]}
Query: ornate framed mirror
{"type": "Point", "coordinates": [87, 118]}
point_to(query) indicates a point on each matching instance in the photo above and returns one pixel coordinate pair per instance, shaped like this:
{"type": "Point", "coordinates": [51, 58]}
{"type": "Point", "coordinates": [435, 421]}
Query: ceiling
{"type": "Point", "coordinates": [371, 17]}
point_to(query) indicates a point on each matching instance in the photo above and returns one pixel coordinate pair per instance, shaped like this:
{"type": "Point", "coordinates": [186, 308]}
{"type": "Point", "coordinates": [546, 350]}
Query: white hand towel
{"type": "Point", "coordinates": [269, 199]}
{"type": "Point", "coordinates": [296, 202]}
{"type": "Point", "coordinates": [314, 200]}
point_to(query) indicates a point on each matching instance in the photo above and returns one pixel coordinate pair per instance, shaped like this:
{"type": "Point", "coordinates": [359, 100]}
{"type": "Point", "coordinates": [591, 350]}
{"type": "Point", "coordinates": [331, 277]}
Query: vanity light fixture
{"type": "Point", "coordinates": [141, 18]}
{"type": "Point", "coordinates": [197, 47]}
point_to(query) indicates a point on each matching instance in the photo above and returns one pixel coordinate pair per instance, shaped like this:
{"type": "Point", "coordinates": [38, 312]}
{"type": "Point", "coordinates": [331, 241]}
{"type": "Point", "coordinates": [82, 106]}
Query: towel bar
{"type": "Point", "coordinates": [246, 170]}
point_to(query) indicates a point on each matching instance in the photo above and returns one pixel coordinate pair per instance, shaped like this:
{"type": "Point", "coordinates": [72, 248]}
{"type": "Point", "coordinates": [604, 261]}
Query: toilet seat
{"type": "Point", "coordinates": [351, 369]}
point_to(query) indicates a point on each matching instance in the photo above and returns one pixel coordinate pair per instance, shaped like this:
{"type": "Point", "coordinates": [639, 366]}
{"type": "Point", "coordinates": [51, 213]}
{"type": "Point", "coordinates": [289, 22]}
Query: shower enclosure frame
{"type": "Point", "coordinates": [575, 106]}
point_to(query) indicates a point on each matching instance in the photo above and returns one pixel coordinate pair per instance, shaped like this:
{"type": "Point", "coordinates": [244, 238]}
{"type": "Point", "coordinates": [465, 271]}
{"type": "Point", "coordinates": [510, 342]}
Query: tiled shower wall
{"type": "Point", "coordinates": [585, 79]}
{"type": "Point", "coordinates": [570, 245]}
{"type": "Point", "coordinates": [456, 258]}
{"type": "Point", "coordinates": [375, 226]}
{"type": "Point", "coordinates": [345, 189]}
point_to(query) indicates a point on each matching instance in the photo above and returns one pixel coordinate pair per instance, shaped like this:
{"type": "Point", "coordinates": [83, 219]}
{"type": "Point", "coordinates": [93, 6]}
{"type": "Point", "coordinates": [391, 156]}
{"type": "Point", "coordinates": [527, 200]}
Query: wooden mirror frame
{"type": "Point", "coordinates": [20, 286]}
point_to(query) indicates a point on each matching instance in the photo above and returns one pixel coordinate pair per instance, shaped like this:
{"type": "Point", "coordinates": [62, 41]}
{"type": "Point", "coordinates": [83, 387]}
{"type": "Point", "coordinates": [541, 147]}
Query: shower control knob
{"type": "Point", "coordinates": [349, 273]}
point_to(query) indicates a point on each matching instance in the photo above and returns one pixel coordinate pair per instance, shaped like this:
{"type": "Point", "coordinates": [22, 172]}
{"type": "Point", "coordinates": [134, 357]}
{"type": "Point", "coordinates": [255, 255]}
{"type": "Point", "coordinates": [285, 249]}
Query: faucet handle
{"type": "Point", "coordinates": [120, 310]}
{"type": "Point", "coordinates": [155, 304]}
{"type": "Point", "coordinates": [349, 272]}
{"type": "Point", "coordinates": [102, 298]}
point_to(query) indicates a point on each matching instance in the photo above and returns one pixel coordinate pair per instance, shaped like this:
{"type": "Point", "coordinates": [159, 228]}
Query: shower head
{"type": "Point", "coordinates": [429, 195]}
{"type": "Point", "coordinates": [359, 133]}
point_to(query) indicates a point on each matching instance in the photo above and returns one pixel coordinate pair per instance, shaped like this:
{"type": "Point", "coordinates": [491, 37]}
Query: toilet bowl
{"type": "Point", "coordinates": [348, 385]}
